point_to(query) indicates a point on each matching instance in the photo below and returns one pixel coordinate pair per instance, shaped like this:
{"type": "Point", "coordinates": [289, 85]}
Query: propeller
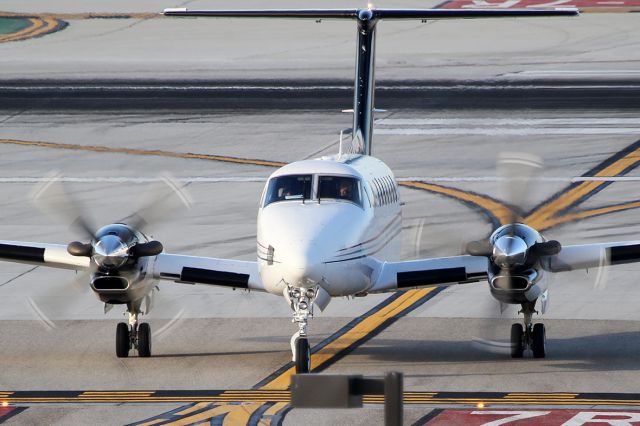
{"type": "Point", "coordinates": [514, 246]}
{"type": "Point", "coordinates": [109, 247]}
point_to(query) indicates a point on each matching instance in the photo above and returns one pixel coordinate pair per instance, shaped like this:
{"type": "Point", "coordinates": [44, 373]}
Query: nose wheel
{"type": "Point", "coordinates": [303, 356]}
{"type": "Point", "coordinates": [133, 336]}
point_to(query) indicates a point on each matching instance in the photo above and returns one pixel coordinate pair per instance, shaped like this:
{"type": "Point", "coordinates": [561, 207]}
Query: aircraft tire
{"type": "Point", "coordinates": [144, 340]}
{"type": "Point", "coordinates": [303, 356]}
{"type": "Point", "coordinates": [123, 343]}
{"type": "Point", "coordinates": [539, 341]}
{"type": "Point", "coordinates": [517, 341]}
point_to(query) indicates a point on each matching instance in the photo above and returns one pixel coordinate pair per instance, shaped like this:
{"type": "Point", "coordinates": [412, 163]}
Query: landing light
{"type": "Point", "coordinates": [5, 403]}
{"type": "Point", "coordinates": [480, 405]}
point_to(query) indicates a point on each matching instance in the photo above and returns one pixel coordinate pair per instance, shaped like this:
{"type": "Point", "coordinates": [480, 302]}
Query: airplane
{"type": "Point", "coordinates": [329, 227]}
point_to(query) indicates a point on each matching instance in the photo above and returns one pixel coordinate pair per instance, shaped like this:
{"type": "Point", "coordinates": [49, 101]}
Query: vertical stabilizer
{"type": "Point", "coordinates": [367, 19]}
{"type": "Point", "coordinates": [364, 85]}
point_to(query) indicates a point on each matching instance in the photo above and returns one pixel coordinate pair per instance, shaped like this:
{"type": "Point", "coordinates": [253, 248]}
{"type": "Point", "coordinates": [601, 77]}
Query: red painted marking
{"type": "Point", "coordinates": [6, 412]}
{"type": "Point", "coordinates": [491, 417]}
{"type": "Point", "coordinates": [521, 4]}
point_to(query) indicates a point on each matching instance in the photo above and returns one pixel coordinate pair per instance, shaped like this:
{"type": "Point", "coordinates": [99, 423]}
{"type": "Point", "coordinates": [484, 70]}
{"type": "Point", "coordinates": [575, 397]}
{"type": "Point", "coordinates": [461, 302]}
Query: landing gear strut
{"type": "Point", "coordinates": [301, 301]}
{"type": "Point", "coordinates": [133, 335]}
{"type": "Point", "coordinates": [528, 337]}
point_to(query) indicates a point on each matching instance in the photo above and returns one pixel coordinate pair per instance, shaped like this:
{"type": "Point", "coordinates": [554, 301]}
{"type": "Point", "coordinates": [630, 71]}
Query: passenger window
{"type": "Point", "coordinates": [385, 186]}
{"type": "Point", "coordinates": [395, 192]}
{"type": "Point", "coordinates": [339, 188]}
{"type": "Point", "coordinates": [377, 192]}
{"type": "Point", "coordinates": [284, 188]}
{"type": "Point", "coordinates": [392, 189]}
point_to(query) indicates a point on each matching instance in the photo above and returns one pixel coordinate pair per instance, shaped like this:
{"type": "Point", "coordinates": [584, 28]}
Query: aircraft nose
{"type": "Point", "coordinates": [303, 272]}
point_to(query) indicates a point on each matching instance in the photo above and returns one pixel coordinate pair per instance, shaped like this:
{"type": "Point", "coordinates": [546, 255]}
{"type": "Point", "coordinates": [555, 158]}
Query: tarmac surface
{"type": "Point", "coordinates": [208, 338]}
{"type": "Point", "coordinates": [228, 352]}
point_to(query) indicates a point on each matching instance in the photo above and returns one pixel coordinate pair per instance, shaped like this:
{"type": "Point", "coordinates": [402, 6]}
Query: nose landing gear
{"type": "Point", "coordinates": [301, 301]}
{"type": "Point", "coordinates": [528, 337]}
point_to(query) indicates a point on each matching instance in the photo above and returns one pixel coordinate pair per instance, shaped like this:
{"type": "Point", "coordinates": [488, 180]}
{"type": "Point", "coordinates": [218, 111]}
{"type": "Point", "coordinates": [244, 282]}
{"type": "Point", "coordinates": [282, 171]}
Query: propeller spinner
{"type": "Point", "coordinates": [113, 245]}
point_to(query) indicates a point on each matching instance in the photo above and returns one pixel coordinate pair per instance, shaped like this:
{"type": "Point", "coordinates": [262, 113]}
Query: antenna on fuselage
{"type": "Point", "coordinates": [366, 20]}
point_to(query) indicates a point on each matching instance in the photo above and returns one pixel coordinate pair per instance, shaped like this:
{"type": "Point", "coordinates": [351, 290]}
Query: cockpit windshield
{"type": "Point", "coordinates": [339, 188]}
{"type": "Point", "coordinates": [292, 187]}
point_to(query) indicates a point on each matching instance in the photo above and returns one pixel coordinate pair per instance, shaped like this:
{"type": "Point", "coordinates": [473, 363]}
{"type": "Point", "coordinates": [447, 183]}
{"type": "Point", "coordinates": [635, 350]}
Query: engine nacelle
{"type": "Point", "coordinates": [522, 287]}
{"type": "Point", "coordinates": [517, 258]}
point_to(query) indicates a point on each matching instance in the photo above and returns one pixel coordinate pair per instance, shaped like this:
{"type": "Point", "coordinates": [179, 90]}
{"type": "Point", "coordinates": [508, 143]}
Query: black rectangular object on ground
{"type": "Point", "coordinates": [323, 391]}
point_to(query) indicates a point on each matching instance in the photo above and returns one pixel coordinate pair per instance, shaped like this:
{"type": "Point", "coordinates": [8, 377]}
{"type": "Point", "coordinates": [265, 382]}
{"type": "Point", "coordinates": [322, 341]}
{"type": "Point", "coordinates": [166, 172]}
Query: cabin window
{"type": "Point", "coordinates": [380, 192]}
{"type": "Point", "coordinates": [385, 191]}
{"type": "Point", "coordinates": [288, 188]}
{"type": "Point", "coordinates": [392, 189]}
{"type": "Point", "coordinates": [339, 188]}
{"type": "Point", "coordinates": [377, 193]}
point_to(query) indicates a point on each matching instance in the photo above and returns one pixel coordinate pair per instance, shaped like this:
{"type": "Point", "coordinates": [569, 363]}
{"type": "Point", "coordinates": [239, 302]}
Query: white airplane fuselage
{"type": "Point", "coordinates": [310, 240]}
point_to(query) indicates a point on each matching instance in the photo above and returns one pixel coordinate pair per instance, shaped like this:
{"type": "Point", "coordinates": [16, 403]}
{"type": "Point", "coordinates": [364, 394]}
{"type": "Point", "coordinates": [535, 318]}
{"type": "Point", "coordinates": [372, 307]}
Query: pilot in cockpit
{"type": "Point", "coordinates": [284, 192]}
{"type": "Point", "coordinates": [345, 191]}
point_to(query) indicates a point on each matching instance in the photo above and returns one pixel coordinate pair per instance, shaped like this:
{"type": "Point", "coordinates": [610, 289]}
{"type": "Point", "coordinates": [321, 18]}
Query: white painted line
{"type": "Point", "coordinates": [508, 121]}
{"type": "Point", "coordinates": [576, 72]}
{"type": "Point", "coordinates": [142, 180]}
{"type": "Point", "coordinates": [509, 131]}
{"type": "Point", "coordinates": [108, 179]}
{"type": "Point", "coordinates": [108, 88]}
{"type": "Point", "coordinates": [570, 179]}
{"type": "Point", "coordinates": [506, 85]}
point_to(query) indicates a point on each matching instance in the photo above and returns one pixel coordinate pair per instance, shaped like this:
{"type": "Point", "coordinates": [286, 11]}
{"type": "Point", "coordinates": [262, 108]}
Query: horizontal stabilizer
{"type": "Point", "coordinates": [366, 21]}
{"type": "Point", "coordinates": [371, 14]}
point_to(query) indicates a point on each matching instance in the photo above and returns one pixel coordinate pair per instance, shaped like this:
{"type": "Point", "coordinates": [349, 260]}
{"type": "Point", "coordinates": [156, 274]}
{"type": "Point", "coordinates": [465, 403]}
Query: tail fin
{"type": "Point", "coordinates": [366, 20]}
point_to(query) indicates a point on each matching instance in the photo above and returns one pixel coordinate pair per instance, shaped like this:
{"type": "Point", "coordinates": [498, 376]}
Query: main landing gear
{"type": "Point", "coordinates": [133, 336]}
{"type": "Point", "coordinates": [301, 301]}
{"type": "Point", "coordinates": [528, 337]}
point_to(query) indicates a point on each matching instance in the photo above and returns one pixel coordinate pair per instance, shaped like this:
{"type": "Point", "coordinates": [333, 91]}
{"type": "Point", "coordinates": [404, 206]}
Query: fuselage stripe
{"type": "Point", "coordinates": [395, 218]}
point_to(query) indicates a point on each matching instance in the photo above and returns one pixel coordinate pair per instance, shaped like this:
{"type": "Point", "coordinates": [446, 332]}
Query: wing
{"type": "Point", "coordinates": [207, 270]}
{"type": "Point", "coordinates": [585, 256]}
{"type": "Point", "coordinates": [184, 269]}
{"type": "Point", "coordinates": [53, 255]}
{"type": "Point", "coordinates": [443, 271]}
{"type": "Point", "coordinates": [447, 271]}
